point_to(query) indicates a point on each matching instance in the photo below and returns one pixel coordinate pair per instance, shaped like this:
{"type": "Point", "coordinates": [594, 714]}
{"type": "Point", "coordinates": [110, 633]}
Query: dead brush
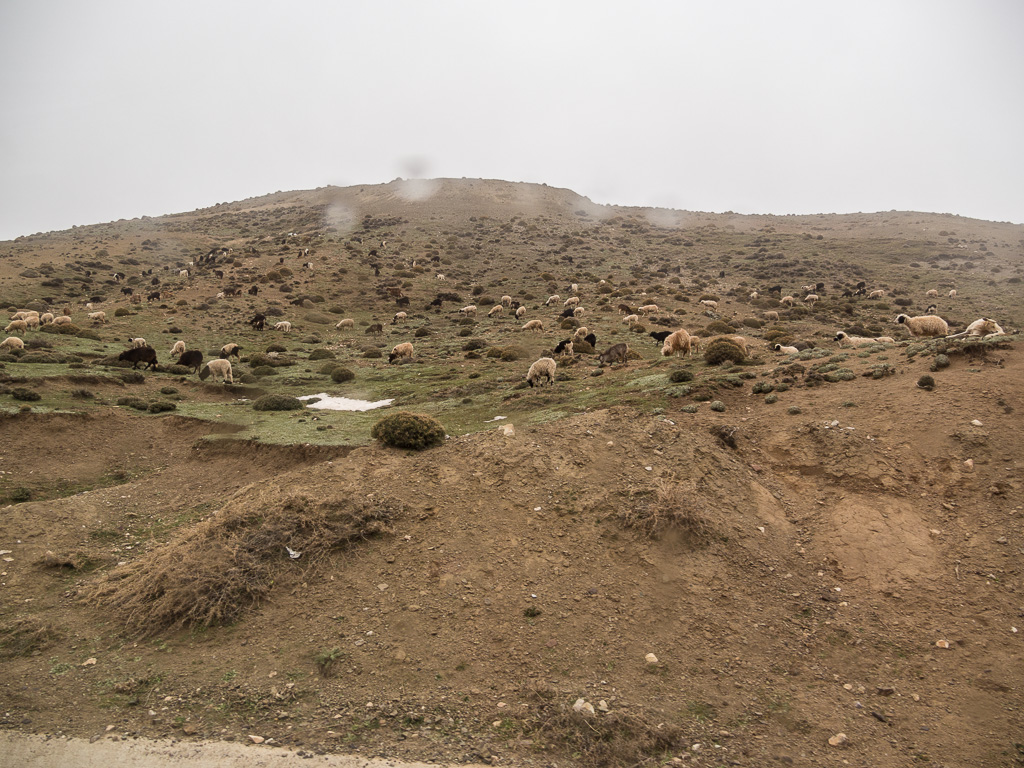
{"type": "Point", "coordinates": [612, 740]}
{"type": "Point", "coordinates": [24, 637]}
{"type": "Point", "coordinates": [216, 570]}
{"type": "Point", "coordinates": [664, 508]}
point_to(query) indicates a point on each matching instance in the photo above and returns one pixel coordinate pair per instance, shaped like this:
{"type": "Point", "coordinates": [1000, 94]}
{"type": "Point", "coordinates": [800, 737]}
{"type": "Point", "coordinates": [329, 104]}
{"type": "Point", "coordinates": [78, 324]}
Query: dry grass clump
{"type": "Point", "coordinates": [215, 571]}
{"type": "Point", "coordinates": [606, 740]}
{"type": "Point", "coordinates": [23, 637]}
{"type": "Point", "coordinates": [666, 507]}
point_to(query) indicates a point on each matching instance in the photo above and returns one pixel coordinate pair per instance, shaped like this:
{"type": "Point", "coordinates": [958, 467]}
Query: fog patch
{"type": "Point", "coordinates": [326, 402]}
{"type": "Point", "coordinates": [417, 190]}
{"type": "Point", "coordinates": [341, 217]}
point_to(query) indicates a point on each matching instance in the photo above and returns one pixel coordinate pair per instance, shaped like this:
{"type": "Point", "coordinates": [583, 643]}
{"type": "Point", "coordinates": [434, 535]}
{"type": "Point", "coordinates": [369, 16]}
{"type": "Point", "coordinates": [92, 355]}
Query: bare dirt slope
{"type": "Point", "coordinates": [842, 570]}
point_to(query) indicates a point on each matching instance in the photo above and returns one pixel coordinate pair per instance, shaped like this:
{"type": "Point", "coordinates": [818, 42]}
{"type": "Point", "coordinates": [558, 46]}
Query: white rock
{"type": "Point", "coordinates": [969, 463]}
{"type": "Point", "coordinates": [838, 739]}
{"type": "Point", "coordinates": [256, 739]}
{"type": "Point", "coordinates": [942, 643]}
{"type": "Point", "coordinates": [583, 706]}
{"type": "Point", "coordinates": [650, 658]}
{"type": "Point", "coordinates": [975, 423]}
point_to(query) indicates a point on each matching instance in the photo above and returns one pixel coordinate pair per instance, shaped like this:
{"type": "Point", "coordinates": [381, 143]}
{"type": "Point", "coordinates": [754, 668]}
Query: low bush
{"type": "Point", "coordinates": [341, 374]}
{"type": "Point", "coordinates": [277, 403]}
{"type": "Point", "coordinates": [414, 431]}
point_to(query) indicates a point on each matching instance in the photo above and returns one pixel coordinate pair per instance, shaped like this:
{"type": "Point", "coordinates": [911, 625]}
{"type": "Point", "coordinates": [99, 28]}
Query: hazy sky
{"type": "Point", "coordinates": [121, 109]}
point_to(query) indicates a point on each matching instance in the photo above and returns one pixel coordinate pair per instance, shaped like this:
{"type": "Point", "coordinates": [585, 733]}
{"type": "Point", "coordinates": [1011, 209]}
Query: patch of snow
{"type": "Point", "coordinates": [328, 403]}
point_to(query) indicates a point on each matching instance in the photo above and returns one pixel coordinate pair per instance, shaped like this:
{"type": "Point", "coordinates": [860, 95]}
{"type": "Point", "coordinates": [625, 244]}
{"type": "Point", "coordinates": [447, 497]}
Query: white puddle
{"type": "Point", "coordinates": [328, 403]}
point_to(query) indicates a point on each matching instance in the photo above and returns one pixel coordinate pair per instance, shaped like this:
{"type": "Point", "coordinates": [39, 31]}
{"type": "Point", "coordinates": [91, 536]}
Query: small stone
{"type": "Point", "coordinates": [650, 658]}
{"type": "Point", "coordinates": [969, 463]}
{"type": "Point", "coordinates": [583, 706]}
{"type": "Point", "coordinates": [89, 662]}
{"type": "Point", "coordinates": [110, 728]}
{"type": "Point", "coordinates": [976, 423]}
{"type": "Point", "coordinates": [942, 643]}
{"type": "Point", "coordinates": [382, 587]}
{"type": "Point", "coordinates": [885, 690]}
{"type": "Point", "coordinates": [602, 705]}
{"type": "Point", "coordinates": [838, 740]}
{"type": "Point", "coordinates": [256, 739]}
{"type": "Point", "coordinates": [508, 430]}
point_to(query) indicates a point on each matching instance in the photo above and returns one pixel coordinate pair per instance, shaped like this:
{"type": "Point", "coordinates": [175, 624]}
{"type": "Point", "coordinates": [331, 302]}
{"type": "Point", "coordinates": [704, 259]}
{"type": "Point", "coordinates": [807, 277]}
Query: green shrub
{"type": "Point", "coordinates": [322, 354]}
{"type": "Point", "coordinates": [168, 391]}
{"type": "Point", "coordinates": [926, 382]}
{"type": "Point", "coordinates": [720, 351]}
{"type": "Point", "coordinates": [717, 405]}
{"type": "Point", "coordinates": [408, 430]}
{"type": "Point", "coordinates": [679, 376]}
{"type": "Point", "coordinates": [82, 394]}
{"type": "Point", "coordinates": [718, 326]}
{"type": "Point", "coordinates": [341, 374]}
{"type": "Point", "coordinates": [762, 387]}
{"type": "Point", "coordinates": [422, 333]}
{"type": "Point", "coordinates": [132, 377]}
{"type": "Point", "coordinates": [473, 344]}
{"type": "Point", "coordinates": [941, 361]}
{"type": "Point", "coordinates": [179, 370]}
{"type": "Point", "coordinates": [264, 370]}
{"type": "Point", "coordinates": [277, 403]}
{"type": "Point", "coordinates": [68, 329]}
{"type": "Point", "coordinates": [752, 322]}
{"type": "Point", "coordinates": [793, 410]}
{"type": "Point", "coordinates": [133, 402]}
{"type": "Point", "coordinates": [512, 353]}
{"type": "Point", "coordinates": [122, 312]}
{"type": "Point", "coordinates": [372, 353]}
{"type": "Point", "coordinates": [327, 367]}
{"type": "Point", "coordinates": [772, 398]}
{"type": "Point", "coordinates": [28, 395]}
{"type": "Point", "coordinates": [689, 408]}
{"type": "Point", "coordinates": [159, 406]}
{"type": "Point", "coordinates": [40, 358]}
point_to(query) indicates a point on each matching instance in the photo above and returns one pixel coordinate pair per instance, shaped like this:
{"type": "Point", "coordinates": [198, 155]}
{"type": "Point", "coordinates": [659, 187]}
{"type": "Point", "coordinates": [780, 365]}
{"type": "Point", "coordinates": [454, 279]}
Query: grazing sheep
{"type": "Point", "coordinates": [771, 315]}
{"type": "Point", "coordinates": [675, 343]}
{"type": "Point", "coordinates": [709, 303]}
{"type": "Point", "coordinates": [520, 313]}
{"type": "Point", "coordinates": [932, 309]}
{"type": "Point", "coordinates": [924, 325]}
{"type": "Point", "coordinates": [647, 309]}
{"type": "Point", "coordinates": [506, 301]}
{"type": "Point", "coordinates": [625, 309]}
{"type": "Point", "coordinates": [617, 353]}
{"type": "Point", "coordinates": [46, 318]}
{"type": "Point", "coordinates": [543, 368]}
{"type": "Point", "coordinates": [811, 298]}
{"type": "Point", "coordinates": [12, 342]}
{"type": "Point", "coordinates": [572, 301]}
{"type": "Point", "coordinates": [789, 301]}
{"type": "Point", "coordinates": [283, 326]}
{"type": "Point", "coordinates": [16, 325]}
{"type": "Point", "coordinates": [885, 340]}
{"type": "Point", "coordinates": [375, 328]}
{"type": "Point", "coordinates": [62, 320]}
{"type": "Point", "coordinates": [399, 316]}
{"type": "Point", "coordinates": [348, 322]}
{"type": "Point", "coordinates": [695, 343]}
{"type": "Point", "coordinates": [496, 311]}
{"type": "Point", "coordinates": [983, 327]}
{"type": "Point", "coordinates": [259, 322]}
{"type": "Point", "coordinates": [754, 295]}
{"type": "Point", "coordinates": [177, 349]}
{"type": "Point", "coordinates": [230, 349]}
{"type": "Point", "coordinates": [533, 325]}
{"type": "Point", "coordinates": [469, 311]}
{"type": "Point", "coordinates": [578, 312]}
{"type": "Point", "coordinates": [98, 317]}
{"type": "Point", "coordinates": [952, 294]}
{"type": "Point", "coordinates": [932, 293]}
{"type": "Point", "coordinates": [219, 369]}
{"type": "Point", "coordinates": [564, 347]}
{"type": "Point", "coordinates": [552, 299]}
{"type": "Point", "coordinates": [786, 350]}
{"type": "Point", "coordinates": [193, 358]}
{"type": "Point", "coordinates": [441, 278]}
{"type": "Point", "coordinates": [137, 355]}
{"type": "Point", "coordinates": [574, 288]}
{"type": "Point", "coordinates": [581, 333]}
{"type": "Point", "coordinates": [182, 273]}
{"type": "Point", "coordinates": [401, 350]}
{"type": "Point", "coordinates": [876, 294]}
{"type": "Point", "coordinates": [630, 319]}
{"type": "Point", "coordinates": [138, 342]}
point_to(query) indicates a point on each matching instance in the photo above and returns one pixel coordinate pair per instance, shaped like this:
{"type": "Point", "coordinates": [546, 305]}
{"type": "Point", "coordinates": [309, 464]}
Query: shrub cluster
{"type": "Point", "coordinates": [408, 430]}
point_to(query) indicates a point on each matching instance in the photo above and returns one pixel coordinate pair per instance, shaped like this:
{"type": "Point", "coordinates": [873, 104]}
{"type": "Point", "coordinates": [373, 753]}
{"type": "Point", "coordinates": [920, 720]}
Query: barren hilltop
{"type": "Point", "coordinates": [736, 557]}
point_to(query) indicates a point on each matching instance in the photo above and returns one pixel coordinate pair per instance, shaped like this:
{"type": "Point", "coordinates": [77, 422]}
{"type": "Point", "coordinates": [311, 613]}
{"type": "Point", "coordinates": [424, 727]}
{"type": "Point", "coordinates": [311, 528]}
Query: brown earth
{"type": "Point", "coordinates": [814, 576]}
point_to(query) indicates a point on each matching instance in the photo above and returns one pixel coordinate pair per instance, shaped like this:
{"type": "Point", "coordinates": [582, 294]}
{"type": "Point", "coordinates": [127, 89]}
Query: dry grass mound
{"type": "Point", "coordinates": [215, 571]}
{"type": "Point", "coordinates": [666, 507]}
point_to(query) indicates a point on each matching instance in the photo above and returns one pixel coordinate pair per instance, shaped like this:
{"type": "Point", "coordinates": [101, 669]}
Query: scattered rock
{"type": "Point", "coordinates": [256, 739]}
{"type": "Point", "coordinates": [838, 740]}
{"type": "Point", "coordinates": [650, 658]}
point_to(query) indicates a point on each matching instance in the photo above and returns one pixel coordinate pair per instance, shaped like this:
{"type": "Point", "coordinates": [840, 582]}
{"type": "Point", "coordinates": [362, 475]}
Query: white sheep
{"type": "Point", "coordinates": [441, 278]}
{"type": "Point", "coordinates": [580, 333]}
{"type": "Point", "coordinates": [647, 309]}
{"type": "Point", "coordinates": [884, 340]}
{"type": "Point", "coordinates": [754, 295]}
{"type": "Point", "coordinates": [400, 317]}
{"type": "Point", "coordinates": [469, 311]}
{"type": "Point", "coordinates": [786, 350]}
{"type": "Point", "coordinates": [496, 311]}
{"type": "Point", "coordinates": [876, 294]}
{"type": "Point", "coordinates": [182, 273]}
{"type": "Point", "coordinates": [846, 340]}
{"type": "Point", "coordinates": [630, 319]}
{"type": "Point", "coordinates": [932, 293]}
{"type": "Point", "coordinates": [46, 318]}
{"type": "Point", "coordinates": [574, 288]}
{"type": "Point", "coordinates": [709, 303]}
{"type": "Point", "coordinates": [924, 325]}
{"type": "Point", "coordinates": [403, 350]}
{"type": "Point", "coordinates": [12, 342]}
{"type": "Point", "coordinates": [98, 317]}
{"type": "Point", "coordinates": [16, 325]}
{"type": "Point", "coordinates": [811, 298]}
{"type": "Point", "coordinates": [533, 325]}
{"type": "Point", "coordinates": [552, 299]}
{"type": "Point", "coordinates": [578, 312]}
{"type": "Point", "coordinates": [178, 349]}
{"type": "Point", "coordinates": [983, 327]}
{"type": "Point", "coordinates": [219, 369]}
{"type": "Point", "coordinates": [229, 349]}
{"type": "Point", "coordinates": [32, 321]}
{"type": "Point", "coordinates": [506, 301]}
{"type": "Point", "coordinates": [520, 313]}
{"type": "Point", "coordinates": [677, 342]}
{"type": "Point", "coordinates": [62, 320]}
{"type": "Point", "coordinates": [789, 301]}
{"type": "Point", "coordinates": [572, 301]}
{"type": "Point", "coordinates": [138, 342]}
{"type": "Point", "coordinates": [543, 368]}
{"type": "Point", "coordinates": [348, 322]}
{"type": "Point", "coordinates": [952, 294]}
{"type": "Point", "coordinates": [283, 325]}
{"type": "Point", "coordinates": [771, 315]}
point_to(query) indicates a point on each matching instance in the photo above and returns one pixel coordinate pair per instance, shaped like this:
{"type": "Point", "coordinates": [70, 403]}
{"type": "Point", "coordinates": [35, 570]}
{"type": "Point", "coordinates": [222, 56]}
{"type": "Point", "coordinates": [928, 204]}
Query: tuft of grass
{"type": "Point", "coordinates": [666, 507]}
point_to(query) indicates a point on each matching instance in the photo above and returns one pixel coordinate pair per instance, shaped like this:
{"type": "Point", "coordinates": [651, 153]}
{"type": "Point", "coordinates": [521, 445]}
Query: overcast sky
{"type": "Point", "coordinates": [121, 109]}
